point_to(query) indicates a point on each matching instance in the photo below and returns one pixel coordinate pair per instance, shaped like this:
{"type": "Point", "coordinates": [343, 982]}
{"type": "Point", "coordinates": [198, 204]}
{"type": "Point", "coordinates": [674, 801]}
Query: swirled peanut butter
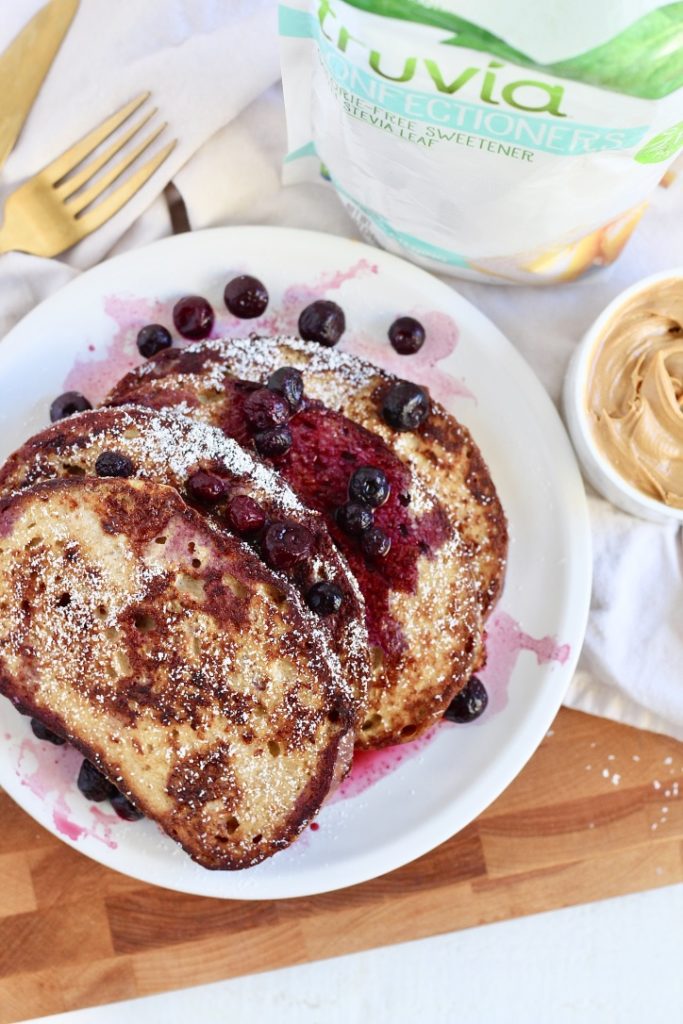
{"type": "Point", "coordinates": [634, 391]}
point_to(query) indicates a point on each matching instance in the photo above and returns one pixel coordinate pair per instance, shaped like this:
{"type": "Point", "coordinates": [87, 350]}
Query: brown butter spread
{"type": "Point", "coordinates": [634, 391]}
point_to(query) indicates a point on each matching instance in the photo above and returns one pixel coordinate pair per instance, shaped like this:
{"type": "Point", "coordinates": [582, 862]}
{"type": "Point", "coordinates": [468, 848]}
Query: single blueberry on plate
{"type": "Point", "coordinates": [469, 704]}
{"type": "Point", "coordinates": [93, 785]}
{"type": "Point", "coordinates": [124, 808]}
{"type": "Point", "coordinates": [193, 317]}
{"type": "Point", "coordinates": [246, 297]}
{"type": "Point", "coordinates": [67, 404]}
{"type": "Point", "coordinates": [41, 732]}
{"type": "Point", "coordinates": [323, 321]}
{"type": "Point", "coordinates": [407, 335]}
{"type": "Point", "coordinates": [152, 339]}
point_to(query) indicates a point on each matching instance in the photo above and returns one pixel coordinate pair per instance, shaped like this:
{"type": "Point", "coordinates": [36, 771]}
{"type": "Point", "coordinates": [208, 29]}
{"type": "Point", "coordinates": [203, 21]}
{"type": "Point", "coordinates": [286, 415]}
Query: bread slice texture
{"type": "Point", "coordinates": [191, 676]}
{"type": "Point", "coordinates": [168, 448]}
{"type": "Point", "coordinates": [422, 607]}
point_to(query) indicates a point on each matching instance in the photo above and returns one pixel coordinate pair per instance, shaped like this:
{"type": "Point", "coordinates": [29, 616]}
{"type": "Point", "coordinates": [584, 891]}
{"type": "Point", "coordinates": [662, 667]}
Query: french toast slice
{"type": "Point", "coordinates": [422, 610]}
{"type": "Point", "coordinates": [168, 448]}
{"type": "Point", "coordinates": [441, 452]}
{"type": "Point", "coordinates": [186, 672]}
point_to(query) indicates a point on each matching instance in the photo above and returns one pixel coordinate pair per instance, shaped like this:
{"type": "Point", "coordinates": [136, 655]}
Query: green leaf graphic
{"type": "Point", "coordinates": [645, 60]}
{"type": "Point", "coordinates": [662, 146]}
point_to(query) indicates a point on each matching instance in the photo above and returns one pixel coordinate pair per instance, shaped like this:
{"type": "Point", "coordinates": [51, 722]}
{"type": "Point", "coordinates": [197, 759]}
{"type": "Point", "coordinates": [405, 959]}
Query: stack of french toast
{"type": "Point", "coordinates": [256, 556]}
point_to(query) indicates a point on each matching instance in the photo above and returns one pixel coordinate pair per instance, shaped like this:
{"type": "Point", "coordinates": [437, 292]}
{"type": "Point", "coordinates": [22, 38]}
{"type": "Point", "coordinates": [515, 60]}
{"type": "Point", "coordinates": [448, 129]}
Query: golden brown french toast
{"type": "Point", "coordinates": [214, 474]}
{"type": "Point", "coordinates": [423, 611]}
{"type": "Point", "coordinates": [193, 678]}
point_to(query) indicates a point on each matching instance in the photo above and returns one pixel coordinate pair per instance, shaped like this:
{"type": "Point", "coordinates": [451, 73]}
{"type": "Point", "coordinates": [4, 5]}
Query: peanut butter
{"type": "Point", "coordinates": [634, 392]}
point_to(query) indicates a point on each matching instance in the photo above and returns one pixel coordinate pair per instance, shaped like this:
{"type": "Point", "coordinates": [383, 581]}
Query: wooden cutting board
{"type": "Point", "coordinates": [595, 813]}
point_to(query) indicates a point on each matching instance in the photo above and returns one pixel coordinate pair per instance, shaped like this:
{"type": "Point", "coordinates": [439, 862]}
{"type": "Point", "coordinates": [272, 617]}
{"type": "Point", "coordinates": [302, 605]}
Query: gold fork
{"type": "Point", "coordinates": [57, 207]}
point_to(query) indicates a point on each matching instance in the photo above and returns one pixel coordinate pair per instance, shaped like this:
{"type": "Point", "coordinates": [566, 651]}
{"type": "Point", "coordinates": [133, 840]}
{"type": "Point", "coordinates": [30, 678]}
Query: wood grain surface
{"type": "Point", "coordinates": [596, 813]}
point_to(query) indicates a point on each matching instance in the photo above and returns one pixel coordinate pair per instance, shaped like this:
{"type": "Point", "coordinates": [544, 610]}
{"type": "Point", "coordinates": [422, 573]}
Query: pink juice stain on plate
{"type": "Point", "coordinates": [422, 367]}
{"type": "Point", "coordinates": [94, 377]}
{"type": "Point", "coordinates": [51, 779]}
{"type": "Point", "coordinates": [285, 320]}
{"type": "Point", "coordinates": [505, 641]}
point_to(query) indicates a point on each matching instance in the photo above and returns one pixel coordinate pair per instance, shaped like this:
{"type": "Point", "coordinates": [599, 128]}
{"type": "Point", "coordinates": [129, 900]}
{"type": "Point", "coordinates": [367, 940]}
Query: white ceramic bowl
{"type": "Point", "coordinates": [596, 466]}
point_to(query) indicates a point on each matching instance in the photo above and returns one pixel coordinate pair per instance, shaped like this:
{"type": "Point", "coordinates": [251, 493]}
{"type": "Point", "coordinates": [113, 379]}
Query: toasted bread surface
{"type": "Point", "coordinates": [188, 673]}
{"type": "Point", "coordinates": [422, 606]}
{"type": "Point", "coordinates": [168, 448]}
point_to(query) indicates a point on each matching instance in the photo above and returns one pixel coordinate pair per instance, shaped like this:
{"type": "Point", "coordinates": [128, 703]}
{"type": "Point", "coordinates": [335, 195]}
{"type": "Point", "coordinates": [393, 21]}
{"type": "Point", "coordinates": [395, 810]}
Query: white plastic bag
{"type": "Point", "coordinates": [497, 141]}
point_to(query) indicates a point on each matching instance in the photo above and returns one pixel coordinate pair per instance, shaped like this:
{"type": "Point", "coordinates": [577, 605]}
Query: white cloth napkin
{"type": "Point", "coordinates": [210, 66]}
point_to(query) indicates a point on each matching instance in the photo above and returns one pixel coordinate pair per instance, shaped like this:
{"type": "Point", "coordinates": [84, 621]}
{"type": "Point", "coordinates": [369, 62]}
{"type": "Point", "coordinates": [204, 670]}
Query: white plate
{"type": "Point", "coordinates": [398, 804]}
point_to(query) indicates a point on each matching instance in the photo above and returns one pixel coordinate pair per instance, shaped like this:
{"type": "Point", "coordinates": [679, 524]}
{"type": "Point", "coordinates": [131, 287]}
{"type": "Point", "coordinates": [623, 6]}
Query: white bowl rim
{"type": "Point", "coordinates": [577, 373]}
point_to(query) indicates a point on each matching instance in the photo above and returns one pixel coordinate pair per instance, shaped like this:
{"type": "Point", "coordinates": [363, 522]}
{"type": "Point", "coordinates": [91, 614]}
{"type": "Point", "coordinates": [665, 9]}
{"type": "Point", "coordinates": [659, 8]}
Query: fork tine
{"type": "Point", "coordinates": [89, 195]}
{"type": "Point", "coordinates": [78, 152]}
{"type": "Point", "coordinates": [77, 181]}
{"type": "Point", "coordinates": [93, 219]}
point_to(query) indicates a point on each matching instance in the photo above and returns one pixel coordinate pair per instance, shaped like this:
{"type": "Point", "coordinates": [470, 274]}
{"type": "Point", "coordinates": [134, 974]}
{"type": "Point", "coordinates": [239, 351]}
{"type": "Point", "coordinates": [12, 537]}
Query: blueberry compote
{"type": "Point", "coordinates": [326, 450]}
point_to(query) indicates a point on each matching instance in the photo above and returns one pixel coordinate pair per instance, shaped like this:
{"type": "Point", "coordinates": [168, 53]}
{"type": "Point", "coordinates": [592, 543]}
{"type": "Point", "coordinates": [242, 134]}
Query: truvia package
{"type": "Point", "coordinates": [500, 140]}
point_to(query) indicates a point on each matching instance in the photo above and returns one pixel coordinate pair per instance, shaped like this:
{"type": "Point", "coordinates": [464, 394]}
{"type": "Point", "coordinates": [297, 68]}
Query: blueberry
{"type": "Point", "coordinates": [67, 404]}
{"type": "Point", "coordinates": [285, 544]}
{"type": "Point", "coordinates": [323, 321]}
{"type": "Point", "coordinates": [407, 335]}
{"type": "Point", "coordinates": [370, 486]}
{"type": "Point", "coordinates": [124, 808]}
{"type": "Point", "coordinates": [469, 704]}
{"type": "Point", "coordinates": [42, 732]}
{"type": "Point", "coordinates": [405, 405]}
{"type": "Point", "coordinates": [193, 317]}
{"type": "Point", "coordinates": [274, 442]}
{"type": "Point", "coordinates": [244, 515]}
{"type": "Point", "coordinates": [93, 784]}
{"type": "Point", "coordinates": [206, 487]}
{"type": "Point", "coordinates": [246, 297]}
{"type": "Point", "coordinates": [152, 339]}
{"type": "Point", "coordinates": [288, 382]}
{"type": "Point", "coordinates": [265, 409]}
{"type": "Point", "coordinates": [354, 518]}
{"type": "Point", "coordinates": [324, 598]}
{"type": "Point", "coordinates": [114, 464]}
{"type": "Point", "coordinates": [375, 542]}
